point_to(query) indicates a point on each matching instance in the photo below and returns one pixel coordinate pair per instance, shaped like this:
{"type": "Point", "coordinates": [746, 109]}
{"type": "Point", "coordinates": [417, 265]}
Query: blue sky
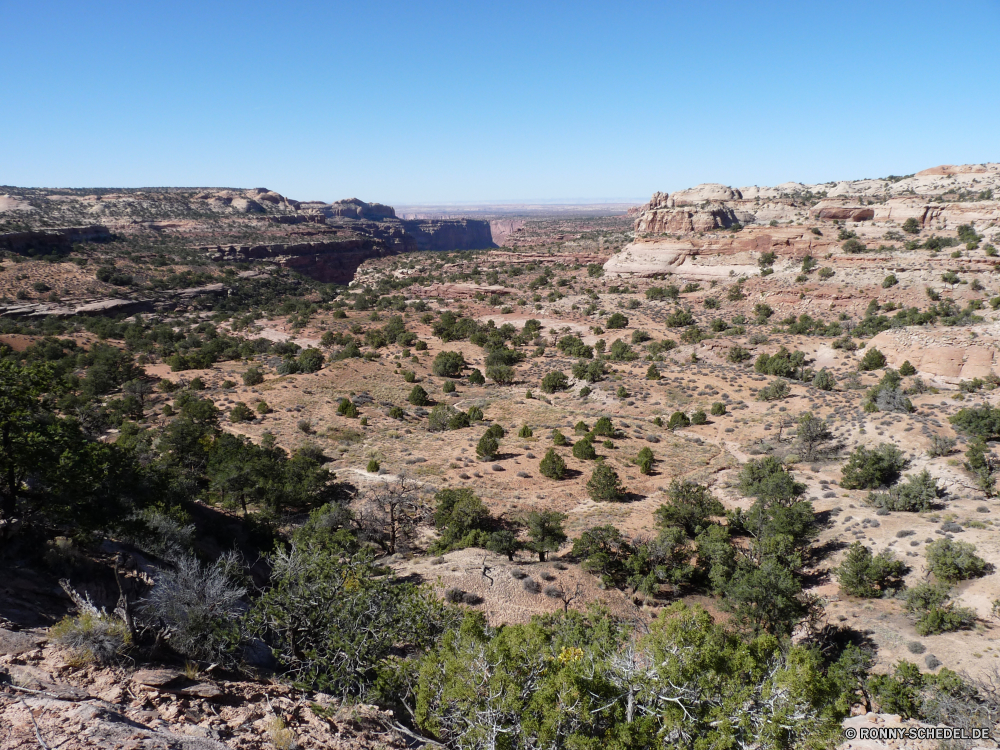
{"type": "Point", "coordinates": [405, 102]}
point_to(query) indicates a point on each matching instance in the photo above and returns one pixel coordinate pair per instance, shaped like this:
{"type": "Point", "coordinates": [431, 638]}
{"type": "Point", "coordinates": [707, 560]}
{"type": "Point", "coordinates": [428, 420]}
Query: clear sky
{"type": "Point", "coordinates": [404, 102]}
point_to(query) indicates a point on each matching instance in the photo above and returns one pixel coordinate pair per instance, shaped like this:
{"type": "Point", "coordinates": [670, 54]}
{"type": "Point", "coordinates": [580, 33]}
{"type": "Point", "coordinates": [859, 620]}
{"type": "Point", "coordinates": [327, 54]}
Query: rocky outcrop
{"type": "Point", "coordinates": [706, 192]}
{"type": "Point", "coordinates": [703, 219]}
{"type": "Point", "coordinates": [53, 240]}
{"type": "Point", "coordinates": [352, 208]}
{"type": "Point", "coordinates": [502, 229]}
{"type": "Point", "coordinates": [99, 307]}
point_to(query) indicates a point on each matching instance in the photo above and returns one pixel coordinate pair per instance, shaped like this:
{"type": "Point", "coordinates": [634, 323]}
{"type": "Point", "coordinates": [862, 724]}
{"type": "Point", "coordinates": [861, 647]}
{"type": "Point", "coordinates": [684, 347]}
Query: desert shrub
{"type": "Point", "coordinates": [409, 376]}
{"type": "Point", "coordinates": [448, 364]}
{"type": "Point", "coordinates": [911, 226]}
{"type": "Point", "coordinates": [580, 428]}
{"type": "Point", "coordinates": [418, 396]}
{"type": "Point", "coordinates": [92, 637]}
{"type": "Point", "coordinates": [488, 447]}
{"type": "Point", "coordinates": [476, 377]}
{"type": "Point", "coordinates": [652, 373]}
{"type": "Point", "coordinates": [552, 465]}
{"type": "Point", "coordinates": [197, 605]}
{"type": "Point", "coordinates": [373, 466]}
{"type": "Point", "coordinates": [680, 318]}
{"type": "Point", "coordinates": [776, 390]}
{"type": "Point", "coordinates": [558, 438]}
{"type": "Point", "coordinates": [554, 381]}
{"type": "Point", "coordinates": [677, 420]}
{"type": "Point", "coordinates": [475, 414]}
{"type": "Point", "coordinates": [889, 281]}
{"type": "Point", "coordinates": [525, 432]}
{"type": "Point", "coordinates": [718, 409]}
{"type": "Point", "coordinates": [253, 376]}
{"type": "Point", "coordinates": [953, 561]}
{"type": "Point", "coordinates": [699, 417]}
{"type": "Point", "coordinates": [915, 495]}
{"type": "Point", "coordinates": [872, 360]}
{"type": "Point", "coordinates": [826, 272]}
{"type": "Point", "coordinates": [941, 445]}
{"type": "Point", "coordinates": [448, 387]}
{"type": "Point", "coordinates": [866, 575]}
{"type": "Point", "coordinates": [605, 485]}
{"type": "Point", "coordinates": [396, 412]}
{"type": "Point", "coordinates": [854, 246]}
{"type": "Point", "coordinates": [872, 468]}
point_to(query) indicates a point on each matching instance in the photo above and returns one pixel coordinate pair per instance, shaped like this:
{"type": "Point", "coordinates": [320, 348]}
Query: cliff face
{"type": "Point", "coordinates": [450, 234]}
{"type": "Point", "coordinates": [333, 261]}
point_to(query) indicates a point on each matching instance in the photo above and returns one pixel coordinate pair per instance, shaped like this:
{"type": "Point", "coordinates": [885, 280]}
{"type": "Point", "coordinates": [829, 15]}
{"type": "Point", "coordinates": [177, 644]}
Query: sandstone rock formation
{"type": "Point", "coordinates": [941, 199]}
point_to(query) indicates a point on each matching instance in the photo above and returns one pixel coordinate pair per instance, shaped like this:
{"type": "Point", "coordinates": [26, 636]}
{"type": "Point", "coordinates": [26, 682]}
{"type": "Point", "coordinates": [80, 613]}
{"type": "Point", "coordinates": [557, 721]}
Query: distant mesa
{"type": "Point", "coordinates": [352, 208]}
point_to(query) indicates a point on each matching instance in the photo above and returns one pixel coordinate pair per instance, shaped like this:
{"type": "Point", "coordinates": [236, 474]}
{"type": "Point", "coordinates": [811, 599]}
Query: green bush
{"type": "Point", "coordinates": [448, 364]}
{"type": "Point", "coordinates": [776, 390]}
{"type": "Point", "coordinates": [889, 281]}
{"type": "Point", "coordinates": [584, 450]}
{"type": "Point", "coordinates": [652, 373]}
{"type": "Point", "coordinates": [935, 612]}
{"type": "Point", "coordinates": [476, 377]}
{"type": "Point", "coordinates": [603, 427]}
{"type": "Point", "coordinates": [488, 447]}
{"type": "Point", "coordinates": [558, 438]}
{"type": "Point", "coordinates": [718, 409]}
{"type": "Point", "coordinates": [462, 520]}
{"type": "Point", "coordinates": [915, 495]}
{"type": "Point", "coordinates": [823, 380]}
{"type": "Point", "coordinates": [501, 374]}
{"type": "Point", "coordinates": [699, 417]}
{"type": "Point", "coordinates": [604, 484]}
{"type": "Point", "coordinates": [954, 561]}
{"type": "Point", "coordinates": [766, 478]}
{"type": "Point", "coordinates": [677, 420]}
{"type": "Point", "coordinates": [906, 369]}
{"type": "Point", "coordinates": [616, 320]}
{"type": "Point", "coordinates": [873, 360]}
{"type": "Point", "coordinates": [554, 381]}
{"type": "Point", "coordinates": [253, 376]}
{"type": "Point", "coordinates": [525, 432]}
{"type": "Point", "coordinates": [346, 408]}
{"type": "Point", "coordinates": [872, 468]}
{"type": "Point", "coordinates": [645, 460]}
{"type": "Point", "coordinates": [240, 413]}
{"type": "Point", "coordinates": [866, 575]}
{"type": "Point", "coordinates": [911, 226]}
{"type": "Point", "coordinates": [552, 465]}
{"type": "Point", "coordinates": [93, 636]}
{"type": "Point", "coordinates": [311, 360]}
{"type": "Point", "coordinates": [335, 618]}
{"type": "Point", "coordinates": [373, 466]}
{"type": "Point", "coordinates": [418, 396]}
{"type": "Point", "coordinates": [475, 414]}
